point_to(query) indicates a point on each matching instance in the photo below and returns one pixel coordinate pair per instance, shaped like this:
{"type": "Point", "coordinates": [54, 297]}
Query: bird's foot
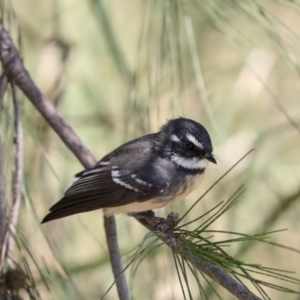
{"type": "Point", "coordinates": [158, 223]}
{"type": "Point", "coordinates": [142, 215]}
{"type": "Point", "coordinates": [168, 224]}
{"type": "Point", "coordinates": [173, 219]}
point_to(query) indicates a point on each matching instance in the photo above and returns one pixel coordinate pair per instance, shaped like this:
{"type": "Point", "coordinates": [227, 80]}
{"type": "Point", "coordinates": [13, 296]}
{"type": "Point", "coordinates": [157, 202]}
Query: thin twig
{"type": "Point", "coordinates": [2, 201]}
{"type": "Point", "coordinates": [3, 87]}
{"type": "Point", "coordinates": [17, 177]}
{"type": "Point", "coordinates": [15, 70]}
{"type": "Point", "coordinates": [9, 224]}
{"type": "Point", "coordinates": [111, 238]}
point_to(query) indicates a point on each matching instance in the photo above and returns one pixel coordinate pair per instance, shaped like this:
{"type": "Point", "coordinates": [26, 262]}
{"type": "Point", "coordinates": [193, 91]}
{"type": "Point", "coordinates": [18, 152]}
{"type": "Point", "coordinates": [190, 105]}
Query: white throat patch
{"type": "Point", "coordinates": [193, 163]}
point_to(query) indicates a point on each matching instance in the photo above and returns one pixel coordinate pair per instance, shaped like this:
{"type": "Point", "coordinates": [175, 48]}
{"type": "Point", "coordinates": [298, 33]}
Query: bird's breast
{"type": "Point", "coordinates": [182, 189]}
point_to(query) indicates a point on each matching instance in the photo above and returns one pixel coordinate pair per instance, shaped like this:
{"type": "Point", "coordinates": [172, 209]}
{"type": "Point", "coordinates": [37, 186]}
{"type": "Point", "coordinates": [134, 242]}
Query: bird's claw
{"type": "Point", "coordinates": [158, 223]}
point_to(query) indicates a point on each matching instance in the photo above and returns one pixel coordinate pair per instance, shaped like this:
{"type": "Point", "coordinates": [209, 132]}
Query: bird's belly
{"type": "Point", "coordinates": [193, 182]}
{"type": "Point", "coordinates": [133, 207]}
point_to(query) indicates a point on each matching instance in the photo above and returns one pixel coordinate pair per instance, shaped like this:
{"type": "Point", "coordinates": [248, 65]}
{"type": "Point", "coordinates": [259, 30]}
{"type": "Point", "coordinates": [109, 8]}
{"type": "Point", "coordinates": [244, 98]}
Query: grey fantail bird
{"type": "Point", "coordinates": [146, 173]}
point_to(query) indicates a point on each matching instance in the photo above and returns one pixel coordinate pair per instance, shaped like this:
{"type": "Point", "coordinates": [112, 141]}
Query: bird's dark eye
{"type": "Point", "coordinates": [189, 146]}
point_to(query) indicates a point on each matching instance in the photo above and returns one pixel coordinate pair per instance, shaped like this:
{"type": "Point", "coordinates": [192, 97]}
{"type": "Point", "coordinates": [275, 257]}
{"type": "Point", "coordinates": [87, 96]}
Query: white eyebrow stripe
{"type": "Point", "coordinates": [192, 139]}
{"type": "Point", "coordinates": [175, 138]}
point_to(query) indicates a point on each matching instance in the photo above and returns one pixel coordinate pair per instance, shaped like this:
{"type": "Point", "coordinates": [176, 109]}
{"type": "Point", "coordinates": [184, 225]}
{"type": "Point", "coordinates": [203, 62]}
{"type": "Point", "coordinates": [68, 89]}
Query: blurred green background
{"type": "Point", "coordinates": [119, 69]}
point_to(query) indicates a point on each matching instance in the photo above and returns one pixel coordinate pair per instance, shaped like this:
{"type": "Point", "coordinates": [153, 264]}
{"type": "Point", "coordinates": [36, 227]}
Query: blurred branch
{"type": "Point", "coordinates": [15, 70]}
{"type": "Point", "coordinates": [197, 70]}
{"type": "Point", "coordinates": [282, 207]}
{"type": "Point", "coordinates": [275, 213]}
{"type": "Point", "coordinates": [17, 171]}
{"type": "Point", "coordinates": [123, 67]}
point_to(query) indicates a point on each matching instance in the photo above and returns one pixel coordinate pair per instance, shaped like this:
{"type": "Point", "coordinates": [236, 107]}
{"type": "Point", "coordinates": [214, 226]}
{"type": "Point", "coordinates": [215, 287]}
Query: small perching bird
{"type": "Point", "coordinates": [149, 172]}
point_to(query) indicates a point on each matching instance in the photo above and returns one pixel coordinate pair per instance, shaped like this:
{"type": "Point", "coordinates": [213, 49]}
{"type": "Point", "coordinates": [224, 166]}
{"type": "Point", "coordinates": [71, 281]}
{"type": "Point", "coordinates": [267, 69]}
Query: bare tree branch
{"type": "Point", "coordinates": [15, 70]}
{"type": "Point", "coordinates": [111, 237]}
{"type": "Point", "coordinates": [217, 274]}
{"type": "Point", "coordinates": [211, 270]}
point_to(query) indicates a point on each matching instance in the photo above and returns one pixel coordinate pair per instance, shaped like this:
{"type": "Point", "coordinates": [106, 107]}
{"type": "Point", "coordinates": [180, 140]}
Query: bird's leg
{"type": "Point", "coordinates": [158, 223]}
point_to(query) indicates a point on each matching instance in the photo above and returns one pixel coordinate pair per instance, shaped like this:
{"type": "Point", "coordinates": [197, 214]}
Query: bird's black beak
{"type": "Point", "coordinates": [211, 158]}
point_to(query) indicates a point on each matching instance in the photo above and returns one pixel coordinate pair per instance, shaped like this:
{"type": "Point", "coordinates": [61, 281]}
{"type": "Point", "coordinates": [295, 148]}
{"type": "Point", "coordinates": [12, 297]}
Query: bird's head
{"type": "Point", "coordinates": [186, 143]}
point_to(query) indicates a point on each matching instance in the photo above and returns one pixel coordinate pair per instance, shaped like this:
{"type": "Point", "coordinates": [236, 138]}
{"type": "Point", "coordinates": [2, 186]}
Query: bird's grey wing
{"type": "Point", "coordinates": [109, 185]}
